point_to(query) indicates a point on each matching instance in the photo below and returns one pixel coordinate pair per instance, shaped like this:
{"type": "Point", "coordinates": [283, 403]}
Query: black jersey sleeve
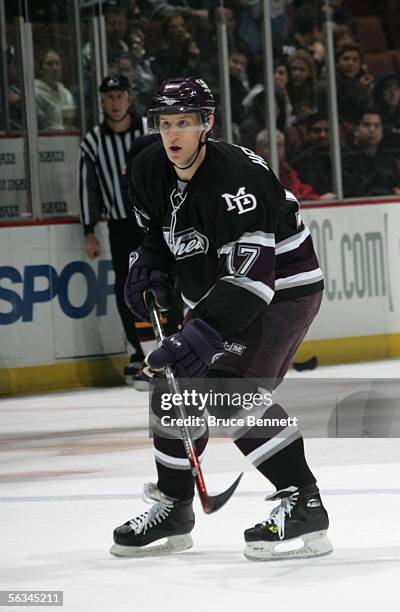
{"type": "Point", "coordinates": [147, 213]}
{"type": "Point", "coordinates": [245, 235]}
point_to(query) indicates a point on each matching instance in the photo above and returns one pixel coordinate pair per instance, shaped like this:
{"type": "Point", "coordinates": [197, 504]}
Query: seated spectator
{"type": "Point", "coordinates": [367, 169]}
{"type": "Point", "coordinates": [281, 80]}
{"type": "Point", "coordinates": [14, 90]}
{"type": "Point", "coordinates": [116, 26]}
{"type": "Point", "coordinates": [287, 175]}
{"type": "Point", "coordinates": [255, 120]}
{"type": "Point", "coordinates": [387, 102]}
{"type": "Point", "coordinates": [179, 52]}
{"type": "Point", "coordinates": [137, 68]}
{"type": "Point", "coordinates": [341, 14]}
{"type": "Point", "coordinates": [353, 83]}
{"type": "Point", "coordinates": [342, 35]}
{"type": "Point", "coordinates": [306, 35]}
{"type": "Point", "coordinates": [210, 58]}
{"type": "Point", "coordinates": [302, 86]}
{"type": "Point", "coordinates": [248, 15]}
{"type": "Point", "coordinates": [56, 108]}
{"type": "Point", "coordinates": [237, 80]}
{"type": "Point", "coordinates": [313, 162]}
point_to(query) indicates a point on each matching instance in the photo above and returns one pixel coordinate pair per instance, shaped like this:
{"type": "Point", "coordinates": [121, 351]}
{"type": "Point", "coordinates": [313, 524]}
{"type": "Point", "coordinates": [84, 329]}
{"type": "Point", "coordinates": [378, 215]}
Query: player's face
{"type": "Point", "coordinates": [180, 136]}
{"type": "Point", "coordinates": [116, 104]}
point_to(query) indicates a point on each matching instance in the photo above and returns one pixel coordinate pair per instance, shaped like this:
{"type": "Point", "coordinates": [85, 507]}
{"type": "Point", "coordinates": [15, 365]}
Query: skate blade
{"type": "Point", "coordinates": [141, 385]}
{"type": "Point", "coordinates": [315, 544]}
{"type": "Point", "coordinates": [172, 545]}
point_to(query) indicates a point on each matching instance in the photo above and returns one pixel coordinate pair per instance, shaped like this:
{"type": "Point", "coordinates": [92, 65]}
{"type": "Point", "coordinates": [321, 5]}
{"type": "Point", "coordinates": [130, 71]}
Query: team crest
{"type": "Point", "coordinates": [242, 202]}
{"type": "Point", "coordinates": [187, 243]}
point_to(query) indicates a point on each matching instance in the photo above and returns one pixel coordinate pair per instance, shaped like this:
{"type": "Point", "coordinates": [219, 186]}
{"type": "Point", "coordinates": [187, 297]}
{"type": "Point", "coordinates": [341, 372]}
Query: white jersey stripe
{"type": "Point", "coordinates": [257, 287]}
{"type": "Point", "coordinates": [291, 243]}
{"type": "Point", "coordinates": [271, 447]}
{"type": "Point", "coordinates": [173, 462]}
{"type": "Point", "coordinates": [85, 200]}
{"type": "Point", "coordinates": [259, 238]}
{"type": "Point", "coordinates": [304, 278]}
{"type": "Point", "coordinates": [290, 196]}
{"type": "Point", "coordinates": [115, 178]}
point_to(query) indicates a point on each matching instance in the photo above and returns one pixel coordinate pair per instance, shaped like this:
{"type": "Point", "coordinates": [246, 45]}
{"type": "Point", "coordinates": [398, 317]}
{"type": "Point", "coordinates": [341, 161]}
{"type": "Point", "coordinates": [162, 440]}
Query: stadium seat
{"type": "Point", "coordinates": [396, 57]}
{"type": "Point", "coordinates": [371, 35]}
{"type": "Point", "coordinates": [380, 63]}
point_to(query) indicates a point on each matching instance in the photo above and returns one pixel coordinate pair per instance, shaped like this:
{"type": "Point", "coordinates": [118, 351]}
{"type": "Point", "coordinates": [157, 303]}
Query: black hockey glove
{"type": "Point", "coordinates": [189, 352]}
{"type": "Point", "coordinates": [144, 276]}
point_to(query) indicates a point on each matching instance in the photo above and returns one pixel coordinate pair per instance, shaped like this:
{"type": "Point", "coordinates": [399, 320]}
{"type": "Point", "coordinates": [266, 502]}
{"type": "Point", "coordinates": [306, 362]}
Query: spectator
{"type": "Point", "coordinates": [312, 162]}
{"type": "Point", "coordinates": [255, 121]}
{"type": "Point", "coordinates": [179, 53]}
{"type": "Point", "coordinates": [387, 101]}
{"type": "Point", "coordinates": [287, 175]}
{"type": "Point", "coordinates": [341, 15]}
{"type": "Point", "coordinates": [306, 35]}
{"type": "Point", "coordinates": [56, 109]}
{"type": "Point", "coordinates": [116, 26]}
{"type": "Point", "coordinates": [248, 14]}
{"type": "Point", "coordinates": [353, 82]}
{"type": "Point", "coordinates": [14, 91]}
{"type": "Point", "coordinates": [210, 66]}
{"type": "Point", "coordinates": [367, 169]}
{"type": "Point", "coordinates": [237, 78]}
{"type": "Point", "coordinates": [342, 35]}
{"type": "Point", "coordinates": [143, 79]}
{"type": "Point", "coordinates": [137, 69]}
{"type": "Point", "coordinates": [281, 80]}
{"type": "Point", "coordinates": [302, 86]}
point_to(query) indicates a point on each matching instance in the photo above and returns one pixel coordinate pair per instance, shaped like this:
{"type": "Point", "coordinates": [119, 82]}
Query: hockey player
{"type": "Point", "coordinates": [246, 267]}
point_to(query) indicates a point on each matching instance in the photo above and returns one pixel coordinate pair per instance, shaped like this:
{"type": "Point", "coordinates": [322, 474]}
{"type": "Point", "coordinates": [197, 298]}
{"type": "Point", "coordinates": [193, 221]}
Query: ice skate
{"type": "Point", "coordinates": [168, 518]}
{"type": "Point", "coordinates": [132, 369]}
{"type": "Point", "coordinates": [296, 529]}
{"type": "Point", "coordinates": [142, 378]}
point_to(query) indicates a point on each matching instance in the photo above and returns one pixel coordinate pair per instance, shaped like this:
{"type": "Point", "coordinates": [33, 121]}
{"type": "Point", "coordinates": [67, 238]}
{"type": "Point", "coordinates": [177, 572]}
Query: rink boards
{"type": "Point", "coordinates": [59, 325]}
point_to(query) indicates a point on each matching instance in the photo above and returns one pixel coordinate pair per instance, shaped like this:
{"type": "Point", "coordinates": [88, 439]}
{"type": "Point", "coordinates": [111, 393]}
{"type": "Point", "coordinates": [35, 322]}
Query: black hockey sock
{"type": "Point", "coordinates": [288, 467]}
{"type": "Point", "coordinates": [174, 475]}
{"type": "Point", "coordinates": [278, 453]}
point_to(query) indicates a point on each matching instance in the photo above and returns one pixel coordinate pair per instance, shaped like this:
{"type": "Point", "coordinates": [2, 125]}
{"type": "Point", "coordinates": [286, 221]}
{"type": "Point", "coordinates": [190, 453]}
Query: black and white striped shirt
{"type": "Point", "coordinates": [103, 186]}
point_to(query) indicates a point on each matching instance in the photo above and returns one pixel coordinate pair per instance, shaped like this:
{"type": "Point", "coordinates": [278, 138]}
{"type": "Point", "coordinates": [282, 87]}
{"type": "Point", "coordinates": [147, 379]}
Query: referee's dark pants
{"type": "Point", "coordinates": [125, 236]}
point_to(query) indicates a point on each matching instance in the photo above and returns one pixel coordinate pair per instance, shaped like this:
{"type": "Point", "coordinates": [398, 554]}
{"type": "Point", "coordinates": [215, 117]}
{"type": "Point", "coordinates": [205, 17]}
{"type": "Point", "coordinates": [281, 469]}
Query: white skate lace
{"type": "Point", "coordinates": [279, 514]}
{"type": "Point", "coordinates": [156, 514]}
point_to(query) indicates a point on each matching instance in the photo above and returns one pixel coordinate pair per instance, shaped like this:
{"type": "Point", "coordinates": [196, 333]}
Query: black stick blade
{"type": "Point", "coordinates": [310, 364]}
{"type": "Point", "coordinates": [213, 503]}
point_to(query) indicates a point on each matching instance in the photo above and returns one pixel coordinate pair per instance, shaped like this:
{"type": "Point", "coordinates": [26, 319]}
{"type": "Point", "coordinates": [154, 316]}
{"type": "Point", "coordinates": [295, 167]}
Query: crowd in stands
{"type": "Point", "coordinates": [151, 40]}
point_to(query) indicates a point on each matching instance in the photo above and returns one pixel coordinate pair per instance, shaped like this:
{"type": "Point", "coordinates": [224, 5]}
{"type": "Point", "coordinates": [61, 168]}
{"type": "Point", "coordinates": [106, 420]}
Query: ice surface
{"type": "Point", "coordinates": [72, 467]}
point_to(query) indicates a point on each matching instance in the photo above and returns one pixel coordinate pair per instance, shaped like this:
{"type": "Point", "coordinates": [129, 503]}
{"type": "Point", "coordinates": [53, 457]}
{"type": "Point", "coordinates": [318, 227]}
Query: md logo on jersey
{"type": "Point", "coordinates": [187, 243]}
{"type": "Point", "coordinates": [242, 202]}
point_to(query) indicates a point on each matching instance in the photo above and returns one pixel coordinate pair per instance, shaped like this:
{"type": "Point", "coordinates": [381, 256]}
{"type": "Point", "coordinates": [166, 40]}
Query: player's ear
{"type": "Point", "coordinates": [210, 120]}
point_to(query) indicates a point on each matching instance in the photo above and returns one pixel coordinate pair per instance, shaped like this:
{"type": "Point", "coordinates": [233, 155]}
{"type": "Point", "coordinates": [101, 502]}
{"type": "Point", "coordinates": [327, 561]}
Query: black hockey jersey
{"type": "Point", "coordinates": [234, 233]}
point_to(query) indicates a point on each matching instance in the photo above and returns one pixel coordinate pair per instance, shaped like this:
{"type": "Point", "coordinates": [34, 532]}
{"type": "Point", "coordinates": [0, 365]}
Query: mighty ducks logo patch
{"type": "Point", "coordinates": [242, 202]}
{"type": "Point", "coordinates": [186, 243]}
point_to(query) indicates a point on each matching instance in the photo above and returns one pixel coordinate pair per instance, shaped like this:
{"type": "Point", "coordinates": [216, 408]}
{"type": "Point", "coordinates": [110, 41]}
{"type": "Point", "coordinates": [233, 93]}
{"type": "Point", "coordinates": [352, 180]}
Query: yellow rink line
{"type": "Point", "coordinates": [108, 371]}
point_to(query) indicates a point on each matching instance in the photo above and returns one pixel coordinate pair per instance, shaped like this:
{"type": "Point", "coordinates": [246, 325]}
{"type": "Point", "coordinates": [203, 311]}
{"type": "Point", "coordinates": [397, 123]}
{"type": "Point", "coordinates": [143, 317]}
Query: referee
{"type": "Point", "coordinates": [103, 191]}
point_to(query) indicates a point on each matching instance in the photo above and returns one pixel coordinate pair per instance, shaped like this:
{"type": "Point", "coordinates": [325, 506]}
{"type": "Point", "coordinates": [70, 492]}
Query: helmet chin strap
{"type": "Point", "coordinates": [196, 154]}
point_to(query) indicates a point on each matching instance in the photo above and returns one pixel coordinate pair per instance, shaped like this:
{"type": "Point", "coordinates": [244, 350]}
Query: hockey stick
{"type": "Point", "coordinates": [210, 503]}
